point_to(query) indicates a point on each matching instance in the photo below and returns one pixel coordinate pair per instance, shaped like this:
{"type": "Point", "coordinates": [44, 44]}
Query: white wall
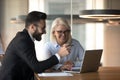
{"type": "Point", "coordinates": [111, 46]}
{"type": "Point", "coordinates": [112, 38]}
{"type": "Point", "coordinates": [12, 8]}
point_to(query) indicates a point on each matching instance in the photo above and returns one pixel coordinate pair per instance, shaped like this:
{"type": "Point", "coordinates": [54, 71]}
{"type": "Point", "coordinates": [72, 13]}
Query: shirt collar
{"type": "Point", "coordinates": [56, 44]}
{"type": "Point", "coordinates": [33, 39]}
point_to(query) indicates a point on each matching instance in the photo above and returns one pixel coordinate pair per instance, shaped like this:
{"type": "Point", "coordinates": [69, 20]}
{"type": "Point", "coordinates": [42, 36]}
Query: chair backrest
{"type": "Point", "coordinates": [36, 76]}
{"type": "Point", "coordinates": [1, 57]}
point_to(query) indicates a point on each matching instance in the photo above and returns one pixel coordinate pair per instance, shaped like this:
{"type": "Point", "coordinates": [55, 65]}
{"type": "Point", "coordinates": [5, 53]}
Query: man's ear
{"type": "Point", "coordinates": [33, 28]}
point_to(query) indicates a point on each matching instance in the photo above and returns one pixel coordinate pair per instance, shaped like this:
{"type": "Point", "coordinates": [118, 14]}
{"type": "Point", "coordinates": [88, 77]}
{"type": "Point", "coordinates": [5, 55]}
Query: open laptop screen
{"type": "Point", "coordinates": [90, 63]}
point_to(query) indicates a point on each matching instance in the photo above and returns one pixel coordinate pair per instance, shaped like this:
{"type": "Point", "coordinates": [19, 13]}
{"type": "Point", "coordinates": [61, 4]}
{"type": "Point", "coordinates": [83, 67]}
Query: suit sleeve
{"type": "Point", "coordinates": [26, 51]}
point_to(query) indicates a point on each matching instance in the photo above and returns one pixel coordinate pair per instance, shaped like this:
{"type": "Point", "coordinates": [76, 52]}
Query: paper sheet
{"type": "Point", "coordinates": [55, 74]}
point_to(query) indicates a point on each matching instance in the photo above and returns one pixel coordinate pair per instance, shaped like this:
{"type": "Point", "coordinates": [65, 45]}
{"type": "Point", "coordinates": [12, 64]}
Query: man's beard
{"type": "Point", "coordinates": [37, 35]}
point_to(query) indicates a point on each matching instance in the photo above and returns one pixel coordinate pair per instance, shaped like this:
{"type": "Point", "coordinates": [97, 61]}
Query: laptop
{"type": "Point", "coordinates": [90, 63]}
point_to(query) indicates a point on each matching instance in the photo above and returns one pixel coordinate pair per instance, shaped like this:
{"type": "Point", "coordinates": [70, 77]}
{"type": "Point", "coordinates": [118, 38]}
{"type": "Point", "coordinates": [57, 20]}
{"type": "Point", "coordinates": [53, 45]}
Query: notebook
{"type": "Point", "coordinates": [90, 63]}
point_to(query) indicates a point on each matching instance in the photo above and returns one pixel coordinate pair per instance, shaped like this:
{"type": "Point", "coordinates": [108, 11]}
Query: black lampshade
{"type": "Point", "coordinates": [100, 14]}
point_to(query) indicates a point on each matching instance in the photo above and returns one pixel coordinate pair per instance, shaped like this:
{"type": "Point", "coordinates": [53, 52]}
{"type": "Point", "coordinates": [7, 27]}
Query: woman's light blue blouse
{"type": "Point", "coordinates": [76, 54]}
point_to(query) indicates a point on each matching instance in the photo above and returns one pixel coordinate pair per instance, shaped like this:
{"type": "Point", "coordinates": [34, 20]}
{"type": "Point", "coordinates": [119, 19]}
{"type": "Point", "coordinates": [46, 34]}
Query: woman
{"type": "Point", "coordinates": [61, 34]}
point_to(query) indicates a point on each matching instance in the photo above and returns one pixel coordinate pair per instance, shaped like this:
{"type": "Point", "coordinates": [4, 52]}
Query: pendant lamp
{"type": "Point", "coordinates": [100, 14]}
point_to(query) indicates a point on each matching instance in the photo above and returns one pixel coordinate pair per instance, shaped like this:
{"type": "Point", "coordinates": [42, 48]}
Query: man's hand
{"type": "Point", "coordinates": [67, 66]}
{"type": "Point", "coordinates": [64, 50]}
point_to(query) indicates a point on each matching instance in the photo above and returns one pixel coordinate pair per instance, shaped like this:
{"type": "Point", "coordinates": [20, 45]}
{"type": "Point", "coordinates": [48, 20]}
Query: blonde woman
{"type": "Point", "coordinates": [60, 35]}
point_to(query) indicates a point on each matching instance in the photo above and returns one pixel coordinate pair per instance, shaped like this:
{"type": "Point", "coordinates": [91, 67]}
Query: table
{"type": "Point", "coordinates": [104, 73]}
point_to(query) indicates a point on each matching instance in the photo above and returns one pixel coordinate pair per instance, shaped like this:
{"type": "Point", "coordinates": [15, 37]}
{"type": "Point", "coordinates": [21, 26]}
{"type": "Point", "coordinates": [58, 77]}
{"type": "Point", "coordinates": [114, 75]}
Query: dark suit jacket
{"type": "Point", "coordinates": [20, 60]}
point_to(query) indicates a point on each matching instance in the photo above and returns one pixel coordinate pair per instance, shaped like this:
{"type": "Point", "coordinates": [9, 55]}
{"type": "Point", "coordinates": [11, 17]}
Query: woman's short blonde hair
{"type": "Point", "coordinates": [59, 21]}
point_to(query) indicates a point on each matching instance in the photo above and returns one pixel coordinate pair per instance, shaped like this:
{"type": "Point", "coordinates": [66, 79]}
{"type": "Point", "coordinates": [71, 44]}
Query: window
{"type": "Point", "coordinates": [89, 35]}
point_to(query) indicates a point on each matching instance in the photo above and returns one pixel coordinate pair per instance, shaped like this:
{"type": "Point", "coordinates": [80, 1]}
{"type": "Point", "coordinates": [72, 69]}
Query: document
{"type": "Point", "coordinates": [55, 74]}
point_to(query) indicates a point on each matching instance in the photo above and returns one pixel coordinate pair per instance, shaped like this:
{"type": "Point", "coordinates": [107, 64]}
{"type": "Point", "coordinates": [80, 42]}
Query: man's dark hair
{"type": "Point", "coordinates": [34, 17]}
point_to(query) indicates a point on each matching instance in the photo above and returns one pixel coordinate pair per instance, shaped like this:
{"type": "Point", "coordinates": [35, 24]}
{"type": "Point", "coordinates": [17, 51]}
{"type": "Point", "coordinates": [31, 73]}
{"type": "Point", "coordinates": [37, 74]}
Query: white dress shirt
{"type": "Point", "coordinates": [58, 57]}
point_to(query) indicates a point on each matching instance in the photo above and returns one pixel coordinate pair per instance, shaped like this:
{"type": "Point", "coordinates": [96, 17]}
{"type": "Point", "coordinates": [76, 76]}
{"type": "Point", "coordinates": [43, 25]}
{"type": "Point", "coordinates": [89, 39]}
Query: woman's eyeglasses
{"type": "Point", "coordinates": [63, 32]}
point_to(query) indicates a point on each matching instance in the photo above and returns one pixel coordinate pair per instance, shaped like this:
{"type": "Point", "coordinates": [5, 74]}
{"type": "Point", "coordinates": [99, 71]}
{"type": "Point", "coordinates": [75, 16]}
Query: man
{"type": "Point", "coordinates": [20, 61]}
